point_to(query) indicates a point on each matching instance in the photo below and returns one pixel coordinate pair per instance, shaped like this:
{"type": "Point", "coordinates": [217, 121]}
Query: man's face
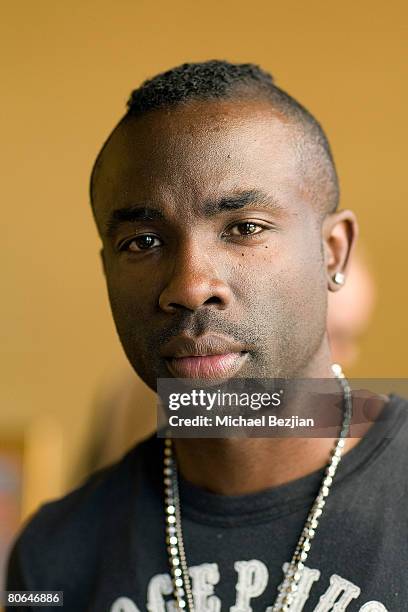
{"type": "Point", "coordinates": [211, 245]}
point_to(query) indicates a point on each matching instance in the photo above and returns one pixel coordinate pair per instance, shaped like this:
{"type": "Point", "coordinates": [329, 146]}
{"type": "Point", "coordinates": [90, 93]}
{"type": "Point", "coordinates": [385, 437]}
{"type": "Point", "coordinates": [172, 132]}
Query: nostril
{"type": "Point", "coordinates": [213, 300]}
{"type": "Point", "coordinates": [176, 306]}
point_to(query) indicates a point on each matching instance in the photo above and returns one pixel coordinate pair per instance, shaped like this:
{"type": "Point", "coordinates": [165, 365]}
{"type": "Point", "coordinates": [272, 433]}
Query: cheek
{"type": "Point", "coordinates": [304, 286]}
{"type": "Point", "coordinates": [286, 275]}
{"type": "Point", "coordinates": [130, 290]}
{"type": "Point", "coordinates": [130, 313]}
{"type": "Point", "coordinates": [289, 264]}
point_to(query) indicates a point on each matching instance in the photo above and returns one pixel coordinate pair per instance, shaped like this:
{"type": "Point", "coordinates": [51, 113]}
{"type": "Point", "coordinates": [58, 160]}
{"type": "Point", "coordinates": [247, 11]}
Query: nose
{"type": "Point", "coordinates": [195, 282]}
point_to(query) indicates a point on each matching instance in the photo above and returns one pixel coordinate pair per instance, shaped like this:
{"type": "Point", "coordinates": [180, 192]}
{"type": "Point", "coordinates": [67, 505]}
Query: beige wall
{"type": "Point", "coordinates": [67, 69]}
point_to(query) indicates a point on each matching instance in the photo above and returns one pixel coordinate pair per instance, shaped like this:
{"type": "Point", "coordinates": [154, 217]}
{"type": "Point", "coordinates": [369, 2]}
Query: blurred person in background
{"type": "Point", "coordinates": [349, 311]}
{"type": "Point", "coordinates": [217, 202]}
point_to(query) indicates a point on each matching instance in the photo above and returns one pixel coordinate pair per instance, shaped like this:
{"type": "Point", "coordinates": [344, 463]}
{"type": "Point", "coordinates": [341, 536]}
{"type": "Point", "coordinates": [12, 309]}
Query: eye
{"type": "Point", "coordinates": [246, 228]}
{"type": "Point", "coordinates": [141, 243]}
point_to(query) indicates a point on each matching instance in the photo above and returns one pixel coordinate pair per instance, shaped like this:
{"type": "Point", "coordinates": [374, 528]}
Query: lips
{"type": "Point", "coordinates": [209, 356]}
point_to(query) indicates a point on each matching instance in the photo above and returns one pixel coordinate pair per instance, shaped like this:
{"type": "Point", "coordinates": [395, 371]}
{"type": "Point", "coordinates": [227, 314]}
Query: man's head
{"type": "Point", "coordinates": [215, 199]}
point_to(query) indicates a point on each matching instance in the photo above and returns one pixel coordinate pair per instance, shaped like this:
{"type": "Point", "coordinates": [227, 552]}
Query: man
{"type": "Point", "coordinates": [216, 200]}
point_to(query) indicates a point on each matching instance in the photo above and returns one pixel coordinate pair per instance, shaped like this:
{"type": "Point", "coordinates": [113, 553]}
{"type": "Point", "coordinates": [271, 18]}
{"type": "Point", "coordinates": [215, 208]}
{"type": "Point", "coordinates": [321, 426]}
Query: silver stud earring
{"type": "Point", "coordinates": [339, 278]}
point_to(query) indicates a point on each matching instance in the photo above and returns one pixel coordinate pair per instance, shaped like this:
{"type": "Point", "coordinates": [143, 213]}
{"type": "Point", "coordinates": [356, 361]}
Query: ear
{"type": "Point", "coordinates": [102, 256]}
{"type": "Point", "coordinates": [339, 232]}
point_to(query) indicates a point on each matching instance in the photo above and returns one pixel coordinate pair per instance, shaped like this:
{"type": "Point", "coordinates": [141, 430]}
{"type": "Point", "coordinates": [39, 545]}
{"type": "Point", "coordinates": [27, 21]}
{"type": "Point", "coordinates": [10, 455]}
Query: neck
{"type": "Point", "coordinates": [237, 466]}
{"type": "Point", "coordinates": [240, 466]}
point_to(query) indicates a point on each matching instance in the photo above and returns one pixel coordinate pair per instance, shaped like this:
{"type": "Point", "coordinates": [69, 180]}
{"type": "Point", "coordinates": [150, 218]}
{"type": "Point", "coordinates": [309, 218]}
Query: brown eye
{"type": "Point", "coordinates": [246, 228]}
{"type": "Point", "coordinates": [141, 243]}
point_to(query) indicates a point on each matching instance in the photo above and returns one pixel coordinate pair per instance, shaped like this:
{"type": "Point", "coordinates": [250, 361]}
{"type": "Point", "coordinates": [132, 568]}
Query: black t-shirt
{"type": "Point", "coordinates": [103, 545]}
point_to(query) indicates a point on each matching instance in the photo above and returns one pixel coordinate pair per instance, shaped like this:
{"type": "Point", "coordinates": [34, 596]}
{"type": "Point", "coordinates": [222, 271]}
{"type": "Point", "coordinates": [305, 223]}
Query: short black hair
{"type": "Point", "coordinates": [219, 79]}
{"type": "Point", "coordinates": [201, 81]}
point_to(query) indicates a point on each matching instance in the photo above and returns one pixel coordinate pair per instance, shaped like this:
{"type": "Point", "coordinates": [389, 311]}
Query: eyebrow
{"type": "Point", "coordinates": [235, 201]}
{"type": "Point", "coordinates": [240, 200]}
{"type": "Point", "coordinates": [130, 214]}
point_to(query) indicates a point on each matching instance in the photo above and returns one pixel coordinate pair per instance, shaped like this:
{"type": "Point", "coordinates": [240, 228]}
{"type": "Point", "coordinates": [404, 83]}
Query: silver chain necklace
{"type": "Point", "coordinates": [182, 589]}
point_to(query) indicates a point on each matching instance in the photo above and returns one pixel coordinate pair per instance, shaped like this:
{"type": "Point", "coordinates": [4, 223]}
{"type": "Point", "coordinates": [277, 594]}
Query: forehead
{"type": "Point", "coordinates": [189, 154]}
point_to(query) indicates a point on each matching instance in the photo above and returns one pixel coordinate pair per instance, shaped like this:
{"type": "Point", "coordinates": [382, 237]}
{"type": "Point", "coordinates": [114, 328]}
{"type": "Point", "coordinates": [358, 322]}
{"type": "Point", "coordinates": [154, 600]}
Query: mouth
{"type": "Point", "coordinates": [205, 357]}
{"type": "Point", "coordinates": [206, 366]}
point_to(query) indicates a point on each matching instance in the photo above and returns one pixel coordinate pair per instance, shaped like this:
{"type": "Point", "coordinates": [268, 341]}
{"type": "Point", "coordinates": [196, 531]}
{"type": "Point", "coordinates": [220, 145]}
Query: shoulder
{"type": "Point", "coordinates": [386, 439]}
{"type": "Point", "coordinates": [395, 410]}
{"type": "Point", "coordinates": [109, 484]}
{"type": "Point", "coordinates": [72, 527]}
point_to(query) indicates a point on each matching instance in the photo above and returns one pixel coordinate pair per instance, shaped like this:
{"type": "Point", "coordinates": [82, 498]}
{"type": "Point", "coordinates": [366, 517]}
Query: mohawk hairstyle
{"type": "Point", "coordinates": [203, 81]}
{"type": "Point", "coordinates": [216, 79]}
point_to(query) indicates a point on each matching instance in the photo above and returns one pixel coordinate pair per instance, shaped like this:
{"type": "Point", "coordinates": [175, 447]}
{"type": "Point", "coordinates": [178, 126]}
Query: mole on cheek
{"type": "Point", "coordinates": [243, 254]}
